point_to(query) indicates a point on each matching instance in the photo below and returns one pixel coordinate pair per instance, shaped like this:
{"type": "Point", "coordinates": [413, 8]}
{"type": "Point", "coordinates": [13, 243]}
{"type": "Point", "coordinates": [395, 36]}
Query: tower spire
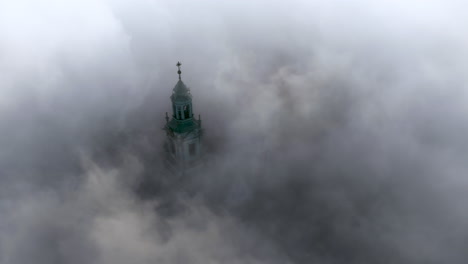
{"type": "Point", "coordinates": [178, 66]}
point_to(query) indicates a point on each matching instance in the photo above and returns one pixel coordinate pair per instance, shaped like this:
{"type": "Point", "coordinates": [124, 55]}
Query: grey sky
{"type": "Point", "coordinates": [337, 131]}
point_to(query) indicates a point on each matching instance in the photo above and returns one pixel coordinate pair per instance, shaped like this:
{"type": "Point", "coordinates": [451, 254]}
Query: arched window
{"type": "Point", "coordinates": [187, 111]}
{"type": "Point", "coordinates": [179, 112]}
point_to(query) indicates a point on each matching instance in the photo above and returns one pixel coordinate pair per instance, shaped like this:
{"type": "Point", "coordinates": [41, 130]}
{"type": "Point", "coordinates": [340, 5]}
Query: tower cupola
{"type": "Point", "coordinates": [181, 99]}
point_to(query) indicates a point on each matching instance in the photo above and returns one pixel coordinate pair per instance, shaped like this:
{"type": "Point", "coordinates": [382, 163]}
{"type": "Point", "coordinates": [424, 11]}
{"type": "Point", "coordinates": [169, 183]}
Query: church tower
{"type": "Point", "coordinates": [183, 141]}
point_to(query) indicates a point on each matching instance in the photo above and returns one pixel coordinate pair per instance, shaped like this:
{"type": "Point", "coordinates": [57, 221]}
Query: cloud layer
{"type": "Point", "coordinates": [335, 131]}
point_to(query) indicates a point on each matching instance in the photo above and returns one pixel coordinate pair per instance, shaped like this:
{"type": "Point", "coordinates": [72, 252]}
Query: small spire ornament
{"type": "Point", "coordinates": [178, 66]}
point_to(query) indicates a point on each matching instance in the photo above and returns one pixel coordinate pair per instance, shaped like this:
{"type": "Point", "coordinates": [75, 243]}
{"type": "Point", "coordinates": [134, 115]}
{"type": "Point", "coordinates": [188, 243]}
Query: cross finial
{"type": "Point", "coordinates": [178, 66]}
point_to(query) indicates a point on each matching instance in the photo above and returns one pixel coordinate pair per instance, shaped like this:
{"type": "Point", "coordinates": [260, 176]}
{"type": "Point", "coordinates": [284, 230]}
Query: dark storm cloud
{"type": "Point", "coordinates": [336, 131]}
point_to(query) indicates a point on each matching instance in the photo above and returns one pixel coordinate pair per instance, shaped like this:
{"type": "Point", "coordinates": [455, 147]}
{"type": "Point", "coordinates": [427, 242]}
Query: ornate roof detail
{"type": "Point", "coordinates": [179, 71]}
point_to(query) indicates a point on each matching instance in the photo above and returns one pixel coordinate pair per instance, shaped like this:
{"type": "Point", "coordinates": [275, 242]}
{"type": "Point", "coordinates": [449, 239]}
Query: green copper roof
{"type": "Point", "coordinates": [180, 92]}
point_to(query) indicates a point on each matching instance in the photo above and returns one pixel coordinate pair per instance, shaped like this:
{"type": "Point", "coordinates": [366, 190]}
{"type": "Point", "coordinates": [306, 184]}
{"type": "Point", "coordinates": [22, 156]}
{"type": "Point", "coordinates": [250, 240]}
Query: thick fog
{"type": "Point", "coordinates": [335, 131]}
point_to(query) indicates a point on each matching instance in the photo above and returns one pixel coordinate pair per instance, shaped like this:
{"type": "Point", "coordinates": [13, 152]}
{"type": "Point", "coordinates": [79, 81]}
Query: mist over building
{"type": "Point", "coordinates": [334, 132]}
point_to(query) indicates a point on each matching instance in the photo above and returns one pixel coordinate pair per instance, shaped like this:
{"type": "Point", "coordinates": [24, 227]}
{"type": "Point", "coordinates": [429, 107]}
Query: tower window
{"type": "Point", "coordinates": [179, 112]}
{"type": "Point", "coordinates": [187, 111]}
{"type": "Point", "coordinates": [192, 149]}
